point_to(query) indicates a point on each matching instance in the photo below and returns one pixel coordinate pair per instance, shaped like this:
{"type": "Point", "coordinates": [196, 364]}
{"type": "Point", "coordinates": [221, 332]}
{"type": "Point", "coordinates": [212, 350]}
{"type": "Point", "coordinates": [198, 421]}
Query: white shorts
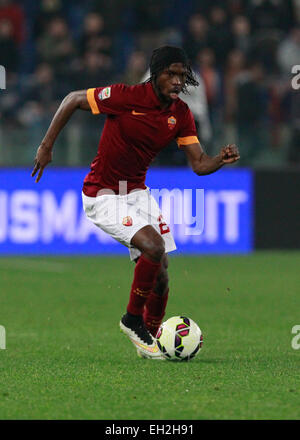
{"type": "Point", "coordinates": [121, 216]}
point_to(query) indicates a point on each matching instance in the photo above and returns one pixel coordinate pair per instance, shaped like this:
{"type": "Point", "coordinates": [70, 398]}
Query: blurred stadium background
{"type": "Point", "coordinates": [65, 357]}
{"type": "Point", "coordinates": [243, 51]}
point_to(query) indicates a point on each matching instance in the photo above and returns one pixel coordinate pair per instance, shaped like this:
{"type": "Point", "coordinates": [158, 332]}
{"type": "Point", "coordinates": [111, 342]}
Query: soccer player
{"type": "Point", "coordinates": [140, 121]}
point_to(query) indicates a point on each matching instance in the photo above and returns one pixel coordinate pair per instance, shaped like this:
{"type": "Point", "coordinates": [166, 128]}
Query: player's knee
{"type": "Point", "coordinates": [156, 250]}
{"type": "Point", "coordinates": [165, 262]}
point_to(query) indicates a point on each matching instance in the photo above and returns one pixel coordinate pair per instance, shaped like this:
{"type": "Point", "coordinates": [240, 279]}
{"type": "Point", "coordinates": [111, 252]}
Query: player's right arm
{"type": "Point", "coordinates": [73, 101]}
{"type": "Point", "coordinates": [112, 100]}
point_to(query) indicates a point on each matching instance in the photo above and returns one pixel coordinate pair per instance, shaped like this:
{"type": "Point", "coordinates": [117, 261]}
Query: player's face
{"type": "Point", "coordinates": [170, 82]}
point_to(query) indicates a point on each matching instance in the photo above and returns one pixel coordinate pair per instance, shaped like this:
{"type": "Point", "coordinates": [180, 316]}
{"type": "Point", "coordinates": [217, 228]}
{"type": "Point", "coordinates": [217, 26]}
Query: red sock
{"type": "Point", "coordinates": [155, 311]}
{"type": "Point", "coordinates": [145, 274]}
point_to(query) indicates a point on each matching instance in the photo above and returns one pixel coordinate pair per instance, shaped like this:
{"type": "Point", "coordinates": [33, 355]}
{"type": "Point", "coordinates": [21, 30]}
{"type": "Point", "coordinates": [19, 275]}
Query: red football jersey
{"type": "Point", "coordinates": [136, 129]}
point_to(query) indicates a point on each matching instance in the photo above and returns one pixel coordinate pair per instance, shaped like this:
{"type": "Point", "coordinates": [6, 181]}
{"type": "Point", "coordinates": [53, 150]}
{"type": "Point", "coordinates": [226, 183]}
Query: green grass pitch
{"type": "Point", "coordinates": [65, 357]}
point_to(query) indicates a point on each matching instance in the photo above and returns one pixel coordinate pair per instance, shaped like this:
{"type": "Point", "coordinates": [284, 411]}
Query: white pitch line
{"type": "Point", "coordinates": [39, 266]}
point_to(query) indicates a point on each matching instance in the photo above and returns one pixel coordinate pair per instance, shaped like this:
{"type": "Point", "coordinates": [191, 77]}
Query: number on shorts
{"type": "Point", "coordinates": [164, 228]}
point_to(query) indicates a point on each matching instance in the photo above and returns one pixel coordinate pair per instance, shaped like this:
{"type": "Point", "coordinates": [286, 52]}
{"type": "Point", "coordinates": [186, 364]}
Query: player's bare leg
{"type": "Point", "coordinates": [150, 243]}
{"type": "Point", "coordinates": [152, 248]}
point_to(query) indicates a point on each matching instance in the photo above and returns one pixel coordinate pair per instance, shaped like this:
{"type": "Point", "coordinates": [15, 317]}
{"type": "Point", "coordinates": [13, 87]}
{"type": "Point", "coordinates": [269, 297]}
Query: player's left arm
{"type": "Point", "coordinates": [203, 164]}
{"type": "Point", "coordinates": [199, 161]}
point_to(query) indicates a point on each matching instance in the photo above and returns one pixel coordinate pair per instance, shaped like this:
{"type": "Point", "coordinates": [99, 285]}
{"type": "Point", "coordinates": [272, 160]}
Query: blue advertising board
{"type": "Point", "coordinates": [206, 214]}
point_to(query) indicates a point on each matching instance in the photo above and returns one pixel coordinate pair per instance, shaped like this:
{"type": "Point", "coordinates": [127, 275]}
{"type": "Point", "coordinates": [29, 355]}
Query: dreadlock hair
{"type": "Point", "coordinates": [163, 56]}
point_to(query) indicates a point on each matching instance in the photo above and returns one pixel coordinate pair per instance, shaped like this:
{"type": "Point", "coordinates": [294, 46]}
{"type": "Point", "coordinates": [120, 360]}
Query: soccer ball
{"type": "Point", "coordinates": [179, 338]}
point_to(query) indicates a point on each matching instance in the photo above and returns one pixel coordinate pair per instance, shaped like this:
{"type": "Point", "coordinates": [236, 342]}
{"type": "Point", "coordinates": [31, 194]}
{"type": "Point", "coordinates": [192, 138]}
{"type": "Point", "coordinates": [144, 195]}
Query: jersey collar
{"type": "Point", "coordinates": [155, 101]}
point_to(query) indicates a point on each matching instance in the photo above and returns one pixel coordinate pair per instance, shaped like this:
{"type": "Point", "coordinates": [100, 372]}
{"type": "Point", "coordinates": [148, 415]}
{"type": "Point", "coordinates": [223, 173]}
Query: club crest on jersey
{"type": "Point", "coordinates": [171, 122]}
{"type": "Point", "coordinates": [104, 94]}
{"type": "Point", "coordinates": [127, 221]}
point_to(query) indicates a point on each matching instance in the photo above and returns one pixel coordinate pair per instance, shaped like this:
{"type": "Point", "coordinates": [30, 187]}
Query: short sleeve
{"type": "Point", "coordinates": [109, 100]}
{"type": "Point", "coordinates": [187, 134]}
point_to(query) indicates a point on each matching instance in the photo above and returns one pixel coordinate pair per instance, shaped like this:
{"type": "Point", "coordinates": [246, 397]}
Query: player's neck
{"type": "Point", "coordinates": [164, 102]}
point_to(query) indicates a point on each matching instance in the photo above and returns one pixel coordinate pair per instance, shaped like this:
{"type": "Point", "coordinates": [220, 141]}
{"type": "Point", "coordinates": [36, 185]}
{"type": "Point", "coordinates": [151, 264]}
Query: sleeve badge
{"type": "Point", "coordinates": [105, 93]}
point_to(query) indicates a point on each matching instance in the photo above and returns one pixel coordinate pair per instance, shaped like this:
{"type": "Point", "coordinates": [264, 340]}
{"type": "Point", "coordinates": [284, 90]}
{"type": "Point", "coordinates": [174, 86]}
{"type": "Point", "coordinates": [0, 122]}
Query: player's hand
{"type": "Point", "coordinates": [229, 154]}
{"type": "Point", "coordinates": [42, 158]}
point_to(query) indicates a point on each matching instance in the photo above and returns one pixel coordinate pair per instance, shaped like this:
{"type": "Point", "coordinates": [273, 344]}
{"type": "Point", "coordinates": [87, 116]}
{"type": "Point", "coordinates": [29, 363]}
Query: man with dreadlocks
{"type": "Point", "coordinates": [141, 120]}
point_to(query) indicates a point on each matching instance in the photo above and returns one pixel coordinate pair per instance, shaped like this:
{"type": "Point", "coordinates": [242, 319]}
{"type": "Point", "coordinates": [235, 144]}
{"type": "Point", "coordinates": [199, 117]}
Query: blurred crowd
{"type": "Point", "coordinates": [243, 52]}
